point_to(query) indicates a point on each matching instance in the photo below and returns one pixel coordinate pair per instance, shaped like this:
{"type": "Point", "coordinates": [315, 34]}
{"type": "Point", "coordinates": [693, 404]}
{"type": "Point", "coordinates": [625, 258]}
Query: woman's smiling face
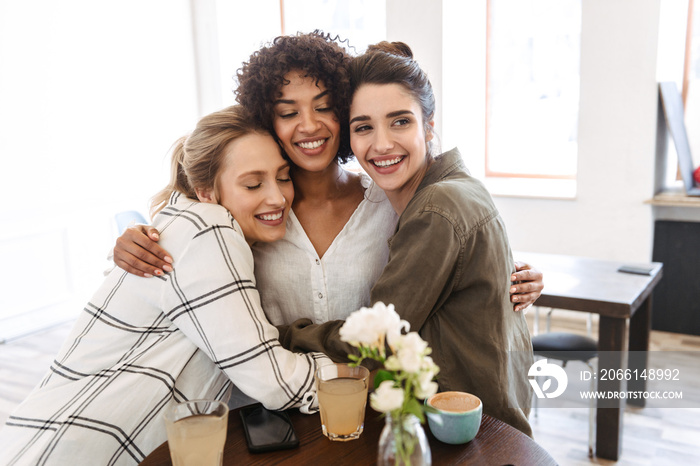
{"type": "Point", "coordinates": [254, 185]}
{"type": "Point", "coordinates": [388, 137]}
{"type": "Point", "coordinates": [305, 122]}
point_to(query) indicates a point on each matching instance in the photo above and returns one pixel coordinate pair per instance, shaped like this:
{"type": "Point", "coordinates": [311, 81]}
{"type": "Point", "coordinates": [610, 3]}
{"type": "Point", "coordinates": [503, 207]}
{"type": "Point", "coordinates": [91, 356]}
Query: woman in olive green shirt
{"type": "Point", "coordinates": [449, 259]}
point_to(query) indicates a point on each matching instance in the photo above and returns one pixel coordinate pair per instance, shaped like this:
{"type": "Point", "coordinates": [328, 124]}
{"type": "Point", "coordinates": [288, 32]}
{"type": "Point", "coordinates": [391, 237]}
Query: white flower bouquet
{"type": "Point", "coordinates": [408, 373]}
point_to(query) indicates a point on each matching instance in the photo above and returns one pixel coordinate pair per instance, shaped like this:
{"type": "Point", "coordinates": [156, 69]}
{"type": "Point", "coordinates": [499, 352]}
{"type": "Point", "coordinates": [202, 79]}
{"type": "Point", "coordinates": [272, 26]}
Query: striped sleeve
{"type": "Point", "coordinates": [211, 297]}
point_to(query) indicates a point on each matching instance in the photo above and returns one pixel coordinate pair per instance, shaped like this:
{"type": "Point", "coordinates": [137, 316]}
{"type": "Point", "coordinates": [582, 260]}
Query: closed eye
{"type": "Point", "coordinates": [253, 187]}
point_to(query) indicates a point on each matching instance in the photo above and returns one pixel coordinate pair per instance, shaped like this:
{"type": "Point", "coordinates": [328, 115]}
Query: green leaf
{"type": "Point", "coordinates": [381, 376]}
{"type": "Point", "coordinates": [356, 360]}
{"type": "Point", "coordinates": [415, 408]}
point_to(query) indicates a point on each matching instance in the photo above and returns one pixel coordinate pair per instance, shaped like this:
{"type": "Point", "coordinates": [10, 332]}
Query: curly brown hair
{"type": "Point", "coordinates": [317, 55]}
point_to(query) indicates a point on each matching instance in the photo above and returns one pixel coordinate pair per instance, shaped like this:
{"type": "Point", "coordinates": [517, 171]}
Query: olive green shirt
{"type": "Point", "coordinates": [448, 275]}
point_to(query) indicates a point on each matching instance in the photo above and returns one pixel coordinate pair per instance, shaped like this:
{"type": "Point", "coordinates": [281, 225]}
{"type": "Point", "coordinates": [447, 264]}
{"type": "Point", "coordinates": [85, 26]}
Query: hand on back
{"type": "Point", "coordinates": [137, 252]}
{"type": "Point", "coordinates": [527, 286]}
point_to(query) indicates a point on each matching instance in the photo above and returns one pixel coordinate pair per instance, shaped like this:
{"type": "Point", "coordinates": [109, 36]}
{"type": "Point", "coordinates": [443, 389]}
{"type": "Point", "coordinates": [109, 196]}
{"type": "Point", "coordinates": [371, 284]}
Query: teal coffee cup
{"type": "Point", "coordinates": [458, 416]}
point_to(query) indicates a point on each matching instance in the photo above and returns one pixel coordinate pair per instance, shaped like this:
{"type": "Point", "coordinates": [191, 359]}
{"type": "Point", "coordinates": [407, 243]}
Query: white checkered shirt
{"type": "Point", "coordinates": [141, 344]}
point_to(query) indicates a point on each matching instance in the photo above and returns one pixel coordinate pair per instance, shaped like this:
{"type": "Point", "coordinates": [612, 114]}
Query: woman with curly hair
{"type": "Point", "coordinates": [336, 246]}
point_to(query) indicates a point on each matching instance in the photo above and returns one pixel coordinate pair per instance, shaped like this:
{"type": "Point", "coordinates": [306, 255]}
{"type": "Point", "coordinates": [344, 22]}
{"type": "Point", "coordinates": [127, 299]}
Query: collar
{"type": "Point", "coordinates": [443, 165]}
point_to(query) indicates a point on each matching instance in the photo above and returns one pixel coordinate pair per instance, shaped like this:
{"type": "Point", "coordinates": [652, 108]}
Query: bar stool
{"type": "Point", "coordinates": [565, 347]}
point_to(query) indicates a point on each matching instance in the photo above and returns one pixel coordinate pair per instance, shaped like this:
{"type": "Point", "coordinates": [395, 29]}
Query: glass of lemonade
{"type": "Point", "coordinates": [196, 432]}
{"type": "Point", "coordinates": [342, 397]}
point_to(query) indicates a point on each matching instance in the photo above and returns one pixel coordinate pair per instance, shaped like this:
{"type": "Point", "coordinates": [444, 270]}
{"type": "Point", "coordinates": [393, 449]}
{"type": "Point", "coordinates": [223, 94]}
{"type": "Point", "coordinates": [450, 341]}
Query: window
{"type": "Point", "coordinates": [532, 97]}
{"type": "Point", "coordinates": [679, 61]}
{"type": "Point", "coordinates": [691, 81]}
{"type": "Point", "coordinates": [239, 36]}
{"type": "Point", "coordinates": [360, 22]}
{"type": "Point", "coordinates": [363, 22]}
{"type": "Point", "coordinates": [92, 95]}
{"type": "Point", "coordinates": [225, 39]}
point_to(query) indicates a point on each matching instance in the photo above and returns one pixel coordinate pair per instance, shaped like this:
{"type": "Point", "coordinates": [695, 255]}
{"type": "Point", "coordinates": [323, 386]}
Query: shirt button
{"type": "Point", "coordinates": [320, 296]}
{"type": "Point", "coordinates": [318, 262]}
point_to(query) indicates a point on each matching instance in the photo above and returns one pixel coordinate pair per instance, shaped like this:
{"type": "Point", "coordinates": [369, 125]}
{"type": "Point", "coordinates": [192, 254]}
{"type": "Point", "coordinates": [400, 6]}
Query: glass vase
{"type": "Point", "coordinates": [403, 442]}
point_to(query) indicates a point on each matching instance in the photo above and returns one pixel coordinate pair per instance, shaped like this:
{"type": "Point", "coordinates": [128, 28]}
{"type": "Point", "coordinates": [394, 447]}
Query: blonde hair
{"type": "Point", "coordinates": [198, 158]}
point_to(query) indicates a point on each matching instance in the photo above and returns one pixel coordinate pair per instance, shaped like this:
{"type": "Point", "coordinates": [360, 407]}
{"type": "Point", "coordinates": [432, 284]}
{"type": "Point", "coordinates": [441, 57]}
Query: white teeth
{"type": "Point", "coordinates": [312, 145]}
{"type": "Point", "coordinates": [387, 163]}
{"type": "Point", "coordinates": [271, 217]}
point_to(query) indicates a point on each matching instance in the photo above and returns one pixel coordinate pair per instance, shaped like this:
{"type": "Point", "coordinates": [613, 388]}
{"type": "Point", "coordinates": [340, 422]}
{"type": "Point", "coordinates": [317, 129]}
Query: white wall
{"type": "Point", "coordinates": [419, 24]}
{"type": "Point", "coordinates": [617, 126]}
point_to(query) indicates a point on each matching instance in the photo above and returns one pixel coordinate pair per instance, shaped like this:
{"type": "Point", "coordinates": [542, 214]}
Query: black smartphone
{"type": "Point", "coordinates": [638, 270]}
{"type": "Point", "coordinates": [267, 430]}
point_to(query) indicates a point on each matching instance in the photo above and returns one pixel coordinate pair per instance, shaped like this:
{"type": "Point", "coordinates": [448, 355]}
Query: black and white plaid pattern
{"type": "Point", "coordinates": [141, 344]}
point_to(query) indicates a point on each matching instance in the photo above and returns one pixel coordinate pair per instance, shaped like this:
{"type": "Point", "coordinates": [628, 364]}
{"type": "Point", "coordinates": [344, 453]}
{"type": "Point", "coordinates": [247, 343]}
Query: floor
{"type": "Point", "coordinates": [651, 436]}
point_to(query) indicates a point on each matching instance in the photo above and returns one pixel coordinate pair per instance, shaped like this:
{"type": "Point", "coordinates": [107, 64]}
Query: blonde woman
{"type": "Point", "coordinates": [140, 345]}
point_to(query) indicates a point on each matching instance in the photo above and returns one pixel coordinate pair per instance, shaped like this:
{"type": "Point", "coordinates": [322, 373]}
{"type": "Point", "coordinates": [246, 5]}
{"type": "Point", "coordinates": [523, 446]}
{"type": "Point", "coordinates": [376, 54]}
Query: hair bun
{"type": "Point", "coordinates": [395, 48]}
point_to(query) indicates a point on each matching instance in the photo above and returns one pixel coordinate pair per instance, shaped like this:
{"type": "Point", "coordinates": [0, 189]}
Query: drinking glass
{"type": "Point", "coordinates": [342, 397]}
{"type": "Point", "coordinates": [196, 432]}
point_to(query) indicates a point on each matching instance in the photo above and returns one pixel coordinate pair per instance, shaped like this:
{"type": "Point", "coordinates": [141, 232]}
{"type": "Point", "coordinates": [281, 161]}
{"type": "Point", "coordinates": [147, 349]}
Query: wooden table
{"type": "Point", "coordinates": [496, 443]}
{"type": "Point", "coordinates": [622, 300]}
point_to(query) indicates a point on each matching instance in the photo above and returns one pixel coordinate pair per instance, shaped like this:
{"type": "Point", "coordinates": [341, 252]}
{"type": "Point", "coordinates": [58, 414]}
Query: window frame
{"type": "Point", "coordinates": [488, 172]}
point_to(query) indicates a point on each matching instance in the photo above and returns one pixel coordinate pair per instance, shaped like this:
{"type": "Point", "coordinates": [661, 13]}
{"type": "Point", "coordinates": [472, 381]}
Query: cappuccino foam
{"type": "Point", "coordinates": [455, 402]}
